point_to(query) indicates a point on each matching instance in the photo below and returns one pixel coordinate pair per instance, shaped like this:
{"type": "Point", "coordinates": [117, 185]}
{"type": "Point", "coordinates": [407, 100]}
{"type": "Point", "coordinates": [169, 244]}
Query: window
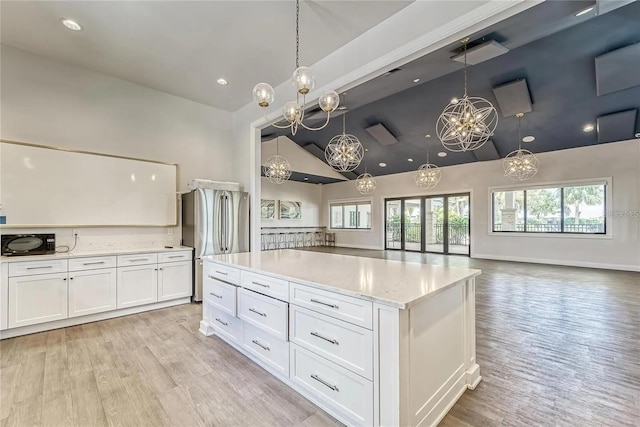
{"type": "Point", "coordinates": [558, 209]}
{"type": "Point", "coordinates": [351, 215]}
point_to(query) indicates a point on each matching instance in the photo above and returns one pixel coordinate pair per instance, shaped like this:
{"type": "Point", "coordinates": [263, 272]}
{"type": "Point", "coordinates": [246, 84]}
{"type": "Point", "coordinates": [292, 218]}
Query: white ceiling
{"type": "Point", "coordinates": [183, 47]}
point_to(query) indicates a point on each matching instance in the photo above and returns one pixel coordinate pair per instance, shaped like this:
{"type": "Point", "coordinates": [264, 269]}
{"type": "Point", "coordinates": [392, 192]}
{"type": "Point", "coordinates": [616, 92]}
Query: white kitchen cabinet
{"type": "Point", "coordinates": [174, 280]}
{"type": "Point", "coordinates": [92, 291]}
{"type": "Point", "coordinates": [37, 299]}
{"type": "Point", "coordinates": [137, 285]}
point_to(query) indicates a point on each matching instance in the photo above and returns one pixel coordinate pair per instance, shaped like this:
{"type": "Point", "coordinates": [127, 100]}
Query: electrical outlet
{"type": "Point", "coordinates": [74, 232]}
{"type": "Point", "coordinates": [169, 231]}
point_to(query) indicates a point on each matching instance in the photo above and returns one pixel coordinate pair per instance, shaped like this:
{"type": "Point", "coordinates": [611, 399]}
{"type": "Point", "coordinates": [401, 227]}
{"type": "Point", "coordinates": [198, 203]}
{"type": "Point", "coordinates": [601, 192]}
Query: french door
{"type": "Point", "coordinates": [438, 224]}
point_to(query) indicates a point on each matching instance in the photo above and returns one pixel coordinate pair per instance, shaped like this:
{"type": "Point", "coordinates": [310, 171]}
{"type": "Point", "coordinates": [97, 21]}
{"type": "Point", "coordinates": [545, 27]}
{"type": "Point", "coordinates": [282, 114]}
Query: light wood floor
{"type": "Point", "coordinates": [557, 346]}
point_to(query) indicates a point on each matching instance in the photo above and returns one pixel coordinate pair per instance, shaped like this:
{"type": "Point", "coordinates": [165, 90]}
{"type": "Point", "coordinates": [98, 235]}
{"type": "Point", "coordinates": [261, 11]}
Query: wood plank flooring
{"type": "Point", "coordinates": [557, 346]}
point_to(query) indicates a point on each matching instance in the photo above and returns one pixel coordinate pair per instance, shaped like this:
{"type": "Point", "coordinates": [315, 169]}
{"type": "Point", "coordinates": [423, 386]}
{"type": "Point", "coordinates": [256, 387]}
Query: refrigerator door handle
{"type": "Point", "coordinates": [219, 228]}
{"type": "Point", "coordinates": [201, 217]}
{"type": "Point", "coordinates": [230, 223]}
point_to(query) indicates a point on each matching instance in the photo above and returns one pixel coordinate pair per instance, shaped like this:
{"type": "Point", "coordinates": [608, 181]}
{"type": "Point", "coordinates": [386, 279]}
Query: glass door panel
{"type": "Point", "coordinates": [458, 224]}
{"type": "Point", "coordinates": [434, 224]}
{"type": "Point", "coordinates": [393, 235]}
{"type": "Point", "coordinates": [412, 225]}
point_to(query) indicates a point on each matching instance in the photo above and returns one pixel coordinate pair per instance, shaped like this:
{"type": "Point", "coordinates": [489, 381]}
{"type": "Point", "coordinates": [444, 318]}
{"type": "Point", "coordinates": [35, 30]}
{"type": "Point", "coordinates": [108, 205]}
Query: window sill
{"type": "Point", "coordinates": [336, 230]}
{"type": "Point", "coordinates": [607, 236]}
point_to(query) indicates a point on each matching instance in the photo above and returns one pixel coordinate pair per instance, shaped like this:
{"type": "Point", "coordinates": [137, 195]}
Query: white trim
{"type": "Point", "coordinates": [607, 180]}
{"type": "Point", "coordinates": [621, 267]}
{"type": "Point", "coordinates": [351, 202]}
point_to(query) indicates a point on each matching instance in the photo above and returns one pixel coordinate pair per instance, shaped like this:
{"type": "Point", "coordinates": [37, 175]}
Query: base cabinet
{"type": "Point", "coordinates": [174, 280]}
{"type": "Point", "coordinates": [37, 299]}
{"type": "Point", "coordinates": [137, 285]}
{"type": "Point", "coordinates": [92, 291]}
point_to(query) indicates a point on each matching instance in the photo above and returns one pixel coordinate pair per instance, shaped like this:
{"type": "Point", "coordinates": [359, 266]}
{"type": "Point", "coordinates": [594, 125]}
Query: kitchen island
{"type": "Point", "coordinates": [371, 341]}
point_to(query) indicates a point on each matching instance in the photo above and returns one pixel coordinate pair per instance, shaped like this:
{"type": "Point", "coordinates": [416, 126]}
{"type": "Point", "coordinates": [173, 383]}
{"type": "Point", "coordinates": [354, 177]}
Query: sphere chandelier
{"type": "Point", "coordinates": [304, 81]}
{"type": "Point", "coordinates": [366, 183]}
{"type": "Point", "coordinates": [277, 168]}
{"type": "Point", "coordinates": [520, 165]}
{"type": "Point", "coordinates": [428, 175]}
{"type": "Point", "coordinates": [344, 152]}
{"type": "Point", "coordinates": [466, 123]}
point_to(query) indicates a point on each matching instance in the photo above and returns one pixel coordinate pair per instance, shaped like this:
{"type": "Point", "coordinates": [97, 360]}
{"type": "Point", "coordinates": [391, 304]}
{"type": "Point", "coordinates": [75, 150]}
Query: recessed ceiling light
{"type": "Point", "coordinates": [409, 159]}
{"type": "Point", "coordinates": [342, 107]}
{"type": "Point", "coordinates": [442, 154]}
{"type": "Point", "coordinates": [71, 24]}
{"type": "Point", "coordinates": [382, 165]}
{"type": "Point", "coordinates": [427, 136]}
{"type": "Point", "coordinates": [587, 128]}
{"type": "Point", "coordinates": [638, 135]}
{"type": "Point", "coordinates": [222, 82]}
{"type": "Point", "coordinates": [529, 138]}
{"type": "Point", "coordinates": [306, 178]}
{"type": "Point", "coordinates": [584, 11]}
{"type": "Point", "coordinates": [416, 80]}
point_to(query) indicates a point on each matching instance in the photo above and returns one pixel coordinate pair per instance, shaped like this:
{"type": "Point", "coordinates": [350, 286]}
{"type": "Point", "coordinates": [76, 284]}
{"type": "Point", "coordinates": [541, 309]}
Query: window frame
{"type": "Point", "coordinates": [608, 225]}
{"type": "Point", "coordinates": [351, 202]}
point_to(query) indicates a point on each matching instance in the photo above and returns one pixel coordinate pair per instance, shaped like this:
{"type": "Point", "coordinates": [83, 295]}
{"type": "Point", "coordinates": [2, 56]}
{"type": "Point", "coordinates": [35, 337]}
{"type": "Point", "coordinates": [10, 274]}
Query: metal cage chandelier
{"type": "Point", "coordinates": [366, 183]}
{"type": "Point", "coordinates": [428, 175]}
{"type": "Point", "coordinates": [344, 152]}
{"type": "Point", "coordinates": [277, 168]}
{"type": "Point", "coordinates": [520, 165]}
{"type": "Point", "coordinates": [466, 123]}
{"type": "Point", "coordinates": [304, 81]}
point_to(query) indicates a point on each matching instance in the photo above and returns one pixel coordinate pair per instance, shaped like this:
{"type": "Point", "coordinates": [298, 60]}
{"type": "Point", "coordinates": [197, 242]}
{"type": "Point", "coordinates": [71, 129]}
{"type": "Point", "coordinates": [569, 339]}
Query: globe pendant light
{"type": "Point", "coordinates": [344, 152]}
{"type": "Point", "coordinates": [365, 183]}
{"type": "Point", "coordinates": [428, 174]}
{"type": "Point", "coordinates": [304, 81]}
{"type": "Point", "coordinates": [277, 168]}
{"type": "Point", "coordinates": [520, 165]}
{"type": "Point", "coordinates": [466, 123]}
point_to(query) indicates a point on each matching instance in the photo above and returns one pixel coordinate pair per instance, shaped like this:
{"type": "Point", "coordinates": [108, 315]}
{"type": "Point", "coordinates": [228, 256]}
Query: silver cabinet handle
{"type": "Point", "coordinates": [215, 295]}
{"type": "Point", "coordinates": [257, 312]}
{"type": "Point", "coordinates": [220, 321]}
{"type": "Point", "coordinates": [320, 380]}
{"type": "Point", "coordinates": [176, 256]}
{"type": "Point", "coordinates": [222, 272]}
{"type": "Point", "coordinates": [39, 268]}
{"type": "Point", "coordinates": [324, 303]}
{"type": "Point", "coordinates": [256, 342]}
{"type": "Point", "coordinates": [138, 259]}
{"type": "Point", "coordinates": [93, 263]}
{"type": "Point", "coordinates": [260, 284]}
{"type": "Point", "coordinates": [315, 334]}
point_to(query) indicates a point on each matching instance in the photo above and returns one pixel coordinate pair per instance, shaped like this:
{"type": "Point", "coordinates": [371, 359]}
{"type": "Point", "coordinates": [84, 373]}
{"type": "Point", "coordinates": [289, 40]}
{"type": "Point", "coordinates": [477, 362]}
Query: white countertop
{"type": "Point", "coordinates": [82, 254]}
{"type": "Point", "coordinates": [395, 283]}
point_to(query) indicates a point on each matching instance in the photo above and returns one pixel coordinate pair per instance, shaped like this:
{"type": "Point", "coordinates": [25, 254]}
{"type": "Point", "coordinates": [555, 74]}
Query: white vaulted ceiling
{"type": "Point", "coordinates": [183, 47]}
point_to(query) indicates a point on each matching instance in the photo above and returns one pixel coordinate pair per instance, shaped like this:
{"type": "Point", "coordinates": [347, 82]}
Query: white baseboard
{"type": "Point", "coordinates": [621, 267]}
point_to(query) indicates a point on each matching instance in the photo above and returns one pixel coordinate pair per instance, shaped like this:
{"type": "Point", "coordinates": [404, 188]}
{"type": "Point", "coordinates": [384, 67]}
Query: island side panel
{"type": "Point", "coordinates": [473, 370]}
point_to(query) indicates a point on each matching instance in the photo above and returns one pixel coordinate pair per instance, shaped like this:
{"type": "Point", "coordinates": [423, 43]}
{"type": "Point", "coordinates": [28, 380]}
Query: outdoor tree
{"type": "Point", "coordinates": [590, 195]}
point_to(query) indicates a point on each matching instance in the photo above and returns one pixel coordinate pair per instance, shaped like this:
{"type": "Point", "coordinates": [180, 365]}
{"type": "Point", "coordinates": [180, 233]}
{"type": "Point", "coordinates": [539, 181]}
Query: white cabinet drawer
{"type": "Point", "coordinates": [266, 313]}
{"type": "Point", "coordinates": [222, 272]}
{"type": "Point", "coordinates": [78, 264]}
{"type": "Point", "coordinates": [137, 259]}
{"type": "Point", "coordinates": [276, 288]}
{"type": "Point", "coordinates": [350, 309]}
{"type": "Point", "coordinates": [348, 345]}
{"type": "Point", "coordinates": [226, 326]}
{"type": "Point", "coordinates": [37, 267]}
{"type": "Point", "coordinates": [346, 392]}
{"type": "Point", "coordinates": [174, 256]}
{"type": "Point", "coordinates": [221, 295]}
{"type": "Point", "coordinates": [267, 348]}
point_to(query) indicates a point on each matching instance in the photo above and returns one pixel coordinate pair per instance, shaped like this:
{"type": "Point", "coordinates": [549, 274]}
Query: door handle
{"type": "Point", "coordinates": [261, 284]}
{"type": "Point", "coordinates": [93, 263]}
{"type": "Point", "coordinates": [39, 268]}
{"type": "Point", "coordinates": [215, 295]}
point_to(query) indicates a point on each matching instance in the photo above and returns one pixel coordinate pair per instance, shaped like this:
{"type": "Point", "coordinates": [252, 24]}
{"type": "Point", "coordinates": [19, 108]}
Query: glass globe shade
{"type": "Point", "coordinates": [263, 94]}
{"type": "Point", "coordinates": [304, 80]}
{"type": "Point", "coordinates": [329, 101]}
{"type": "Point", "coordinates": [292, 111]}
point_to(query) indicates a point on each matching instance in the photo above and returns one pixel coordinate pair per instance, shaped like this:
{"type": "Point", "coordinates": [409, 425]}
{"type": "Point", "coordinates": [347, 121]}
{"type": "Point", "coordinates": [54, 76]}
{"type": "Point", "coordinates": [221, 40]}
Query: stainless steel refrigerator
{"type": "Point", "coordinates": [214, 222]}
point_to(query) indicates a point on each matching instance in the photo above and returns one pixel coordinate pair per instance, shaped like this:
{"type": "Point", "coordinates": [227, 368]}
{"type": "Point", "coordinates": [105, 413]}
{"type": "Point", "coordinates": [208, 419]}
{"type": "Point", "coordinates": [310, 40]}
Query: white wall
{"type": "Point", "coordinates": [309, 194]}
{"type": "Point", "coordinates": [621, 161]}
{"type": "Point", "coordinates": [51, 103]}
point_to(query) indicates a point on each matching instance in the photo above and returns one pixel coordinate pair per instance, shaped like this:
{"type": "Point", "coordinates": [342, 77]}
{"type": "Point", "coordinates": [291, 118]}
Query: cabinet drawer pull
{"type": "Point", "coordinates": [139, 259]}
{"type": "Point", "coordinates": [320, 380]}
{"type": "Point", "coordinates": [256, 342]}
{"type": "Point", "coordinates": [176, 256]}
{"type": "Point", "coordinates": [93, 263]}
{"type": "Point", "coordinates": [315, 334]}
{"type": "Point", "coordinates": [39, 268]}
{"type": "Point", "coordinates": [324, 303]}
{"type": "Point", "coordinates": [220, 272]}
{"type": "Point", "coordinates": [257, 312]}
{"type": "Point", "coordinates": [260, 284]}
{"type": "Point", "coordinates": [220, 321]}
{"type": "Point", "coordinates": [215, 295]}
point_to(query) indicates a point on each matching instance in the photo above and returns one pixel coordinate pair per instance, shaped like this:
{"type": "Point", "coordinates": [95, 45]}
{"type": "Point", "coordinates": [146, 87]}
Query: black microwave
{"type": "Point", "coordinates": [28, 244]}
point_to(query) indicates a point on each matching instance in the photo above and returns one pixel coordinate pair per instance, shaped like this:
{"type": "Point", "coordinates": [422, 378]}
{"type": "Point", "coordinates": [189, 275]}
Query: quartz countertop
{"type": "Point", "coordinates": [395, 283]}
{"type": "Point", "coordinates": [90, 253]}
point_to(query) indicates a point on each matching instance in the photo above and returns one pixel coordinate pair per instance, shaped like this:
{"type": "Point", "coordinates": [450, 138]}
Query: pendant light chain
{"type": "Point", "coordinates": [465, 41]}
{"type": "Point", "coordinates": [519, 132]}
{"type": "Point", "coordinates": [297, 33]}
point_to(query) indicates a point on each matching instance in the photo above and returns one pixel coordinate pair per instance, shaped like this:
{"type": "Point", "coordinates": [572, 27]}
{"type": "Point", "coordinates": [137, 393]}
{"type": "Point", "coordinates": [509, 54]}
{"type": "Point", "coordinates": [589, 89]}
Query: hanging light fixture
{"type": "Point", "coordinates": [466, 123]}
{"type": "Point", "coordinates": [428, 175]}
{"type": "Point", "coordinates": [277, 168]}
{"type": "Point", "coordinates": [365, 183]}
{"type": "Point", "coordinates": [344, 152]}
{"type": "Point", "coordinates": [520, 165]}
{"type": "Point", "coordinates": [304, 81]}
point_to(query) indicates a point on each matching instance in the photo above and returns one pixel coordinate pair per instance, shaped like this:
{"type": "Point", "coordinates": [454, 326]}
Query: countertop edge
{"type": "Point", "coordinates": [72, 255]}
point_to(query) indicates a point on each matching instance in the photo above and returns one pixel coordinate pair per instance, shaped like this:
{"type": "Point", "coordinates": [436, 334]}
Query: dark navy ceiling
{"type": "Point", "coordinates": [559, 70]}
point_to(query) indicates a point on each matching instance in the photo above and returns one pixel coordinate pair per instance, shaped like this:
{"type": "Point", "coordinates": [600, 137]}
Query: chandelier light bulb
{"type": "Point", "coordinates": [366, 184]}
{"type": "Point", "coordinates": [263, 94]}
{"type": "Point", "coordinates": [304, 80]}
{"type": "Point", "coordinates": [277, 169]}
{"type": "Point", "coordinates": [428, 176]}
{"type": "Point", "coordinates": [329, 101]}
{"type": "Point", "coordinates": [292, 111]}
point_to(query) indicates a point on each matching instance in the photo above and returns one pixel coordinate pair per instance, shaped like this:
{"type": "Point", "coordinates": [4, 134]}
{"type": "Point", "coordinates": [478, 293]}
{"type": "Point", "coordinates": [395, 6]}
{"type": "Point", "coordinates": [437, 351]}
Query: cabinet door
{"type": "Point", "coordinates": [174, 280]}
{"type": "Point", "coordinates": [37, 299]}
{"type": "Point", "coordinates": [137, 285]}
{"type": "Point", "coordinates": [92, 291]}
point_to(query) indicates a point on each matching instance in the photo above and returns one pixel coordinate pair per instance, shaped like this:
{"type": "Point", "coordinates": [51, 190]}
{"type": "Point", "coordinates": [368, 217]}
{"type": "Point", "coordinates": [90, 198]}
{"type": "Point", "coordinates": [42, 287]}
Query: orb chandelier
{"type": "Point", "coordinates": [365, 183]}
{"type": "Point", "coordinates": [428, 175]}
{"type": "Point", "coordinates": [466, 123]}
{"type": "Point", "coordinates": [304, 81]}
{"type": "Point", "coordinates": [277, 168]}
{"type": "Point", "coordinates": [344, 152]}
{"type": "Point", "coordinates": [520, 165]}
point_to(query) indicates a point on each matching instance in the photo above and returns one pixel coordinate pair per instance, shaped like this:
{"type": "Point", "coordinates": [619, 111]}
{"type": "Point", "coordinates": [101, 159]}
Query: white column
{"type": "Point", "coordinates": [508, 212]}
